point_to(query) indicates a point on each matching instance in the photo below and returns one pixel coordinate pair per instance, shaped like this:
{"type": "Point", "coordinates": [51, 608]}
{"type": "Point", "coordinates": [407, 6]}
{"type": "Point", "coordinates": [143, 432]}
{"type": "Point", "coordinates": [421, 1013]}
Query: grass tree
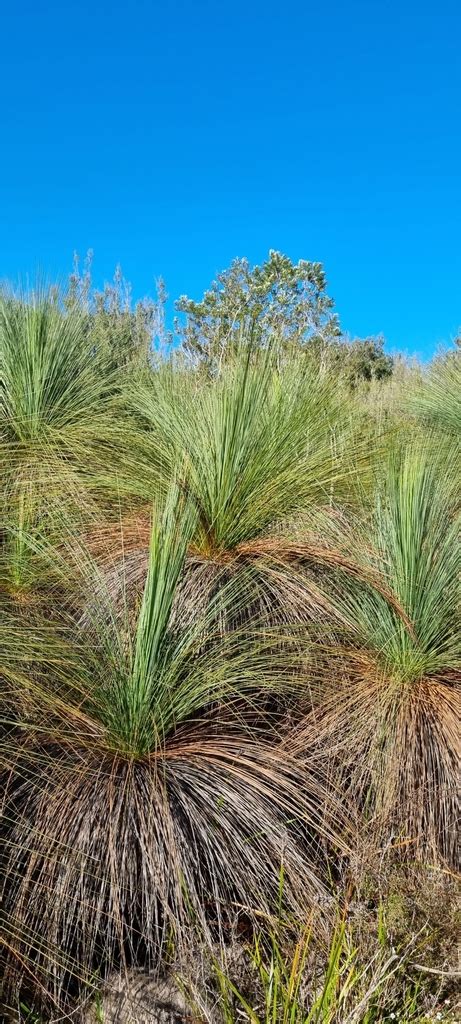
{"type": "Point", "coordinates": [53, 389]}
{"type": "Point", "coordinates": [146, 800]}
{"type": "Point", "coordinates": [258, 450]}
{"type": "Point", "coordinates": [56, 427]}
{"type": "Point", "coordinates": [55, 394]}
{"type": "Point", "coordinates": [438, 399]}
{"type": "Point", "coordinates": [390, 687]}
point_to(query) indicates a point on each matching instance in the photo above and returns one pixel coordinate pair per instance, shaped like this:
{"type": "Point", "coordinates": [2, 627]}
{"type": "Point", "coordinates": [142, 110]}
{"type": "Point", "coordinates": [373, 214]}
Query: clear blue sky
{"type": "Point", "coordinates": [172, 137]}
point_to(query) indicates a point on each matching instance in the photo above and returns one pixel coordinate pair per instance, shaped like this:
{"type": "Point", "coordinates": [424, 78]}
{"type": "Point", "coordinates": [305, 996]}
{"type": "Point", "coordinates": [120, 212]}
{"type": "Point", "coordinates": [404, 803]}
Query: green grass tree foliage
{"type": "Point", "coordinates": [259, 446]}
{"type": "Point", "coordinates": [32, 535]}
{"type": "Point", "coordinates": [51, 385]}
{"type": "Point", "coordinates": [390, 689]}
{"type": "Point", "coordinates": [56, 426]}
{"type": "Point", "coordinates": [438, 399]}
{"type": "Point", "coordinates": [146, 799]}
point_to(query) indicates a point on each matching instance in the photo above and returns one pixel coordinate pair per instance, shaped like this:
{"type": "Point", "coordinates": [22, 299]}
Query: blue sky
{"type": "Point", "coordinates": [173, 137]}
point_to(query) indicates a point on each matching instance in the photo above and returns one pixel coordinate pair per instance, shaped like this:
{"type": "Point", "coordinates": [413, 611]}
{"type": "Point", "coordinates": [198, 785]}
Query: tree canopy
{"type": "Point", "coordinates": [280, 297]}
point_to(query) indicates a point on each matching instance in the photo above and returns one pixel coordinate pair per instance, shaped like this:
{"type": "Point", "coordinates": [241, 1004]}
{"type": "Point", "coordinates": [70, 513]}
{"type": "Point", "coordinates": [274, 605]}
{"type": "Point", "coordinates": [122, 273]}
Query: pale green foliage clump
{"type": "Point", "coordinates": [413, 534]}
{"type": "Point", "coordinates": [254, 446]}
{"type": "Point", "coordinates": [284, 299]}
{"type": "Point", "coordinates": [438, 399]}
{"type": "Point", "coordinates": [124, 335]}
{"type": "Point", "coordinates": [391, 701]}
{"type": "Point", "coordinates": [50, 383]}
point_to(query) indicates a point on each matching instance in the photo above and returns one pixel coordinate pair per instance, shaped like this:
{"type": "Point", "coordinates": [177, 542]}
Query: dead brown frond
{"type": "Point", "coordinates": [396, 748]}
{"type": "Point", "coordinates": [112, 860]}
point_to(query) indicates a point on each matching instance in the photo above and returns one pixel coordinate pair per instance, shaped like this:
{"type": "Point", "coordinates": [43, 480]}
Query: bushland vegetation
{"type": "Point", "coordinates": [230, 658]}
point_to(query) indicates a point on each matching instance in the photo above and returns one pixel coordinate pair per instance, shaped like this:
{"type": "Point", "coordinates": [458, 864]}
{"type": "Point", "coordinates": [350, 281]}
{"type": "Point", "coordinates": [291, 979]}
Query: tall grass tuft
{"type": "Point", "coordinates": [390, 698]}
{"type": "Point", "coordinates": [258, 451]}
{"type": "Point", "coordinates": [146, 796]}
